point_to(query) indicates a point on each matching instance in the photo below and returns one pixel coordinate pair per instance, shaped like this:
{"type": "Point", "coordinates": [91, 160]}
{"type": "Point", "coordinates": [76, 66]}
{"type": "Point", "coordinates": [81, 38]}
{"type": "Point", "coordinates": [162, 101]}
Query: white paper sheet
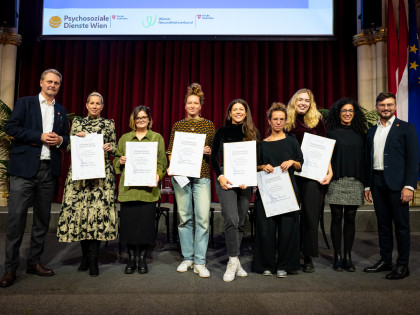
{"type": "Point", "coordinates": [87, 157]}
{"type": "Point", "coordinates": [240, 163]}
{"type": "Point", "coordinates": [141, 164]}
{"type": "Point", "coordinates": [277, 193]}
{"type": "Point", "coordinates": [317, 152]}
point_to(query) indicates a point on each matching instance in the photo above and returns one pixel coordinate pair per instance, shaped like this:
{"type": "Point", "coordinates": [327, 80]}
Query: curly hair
{"type": "Point", "coordinates": [195, 89]}
{"type": "Point", "coordinates": [248, 127]}
{"type": "Point", "coordinates": [312, 116]}
{"type": "Point", "coordinates": [333, 121]}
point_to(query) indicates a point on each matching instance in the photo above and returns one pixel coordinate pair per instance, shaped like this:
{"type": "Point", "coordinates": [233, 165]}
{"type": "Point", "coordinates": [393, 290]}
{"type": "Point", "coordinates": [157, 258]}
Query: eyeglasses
{"type": "Point", "coordinates": [385, 105]}
{"type": "Point", "coordinates": [344, 111]}
{"type": "Point", "coordinates": [280, 120]}
{"type": "Point", "coordinates": [142, 118]}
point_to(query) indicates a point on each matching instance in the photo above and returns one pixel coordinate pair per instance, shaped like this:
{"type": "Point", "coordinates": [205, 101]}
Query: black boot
{"type": "Point", "coordinates": [142, 259]}
{"type": "Point", "coordinates": [93, 258]}
{"type": "Point", "coordinates": [337, 261]}
{"type": "Point", "coordinates": [347, 263]}
{"type": "Point", "coordinates": [308, 265]}
{"type": "Point", "coordinates": [84, 265]}
{"type": "Point", "coordinates": [132, 263]}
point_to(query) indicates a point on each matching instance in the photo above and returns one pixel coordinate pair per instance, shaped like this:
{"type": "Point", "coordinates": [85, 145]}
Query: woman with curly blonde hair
{"type": "Point", "coordinates": [193, 199]}
{"type": "Point", "coordinates": [303, 116]}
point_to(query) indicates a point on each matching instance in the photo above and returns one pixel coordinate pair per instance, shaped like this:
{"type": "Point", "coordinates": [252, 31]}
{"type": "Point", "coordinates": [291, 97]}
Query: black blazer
{"type": "Point", "coordinates": [401, 155]}
{"type": "Point", "coordinates": [25, 126]}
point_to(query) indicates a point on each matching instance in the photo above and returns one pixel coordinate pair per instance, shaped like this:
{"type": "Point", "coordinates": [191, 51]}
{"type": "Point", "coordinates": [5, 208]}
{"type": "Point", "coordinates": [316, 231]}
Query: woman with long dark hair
{"type": "Point", "coordinates": [234, 201]}
{"type": "Point", "coordinates": [346, 124]}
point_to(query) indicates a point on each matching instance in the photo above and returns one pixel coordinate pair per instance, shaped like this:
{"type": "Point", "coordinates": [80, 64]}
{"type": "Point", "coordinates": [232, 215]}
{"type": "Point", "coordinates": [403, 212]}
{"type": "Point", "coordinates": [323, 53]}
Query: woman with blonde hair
{"type": "Point", "coordinates": [234, 201]}
{"type": "Point", "coordinates": [193, 199]}
{"type": "Point", "coordinates": [303, 116]}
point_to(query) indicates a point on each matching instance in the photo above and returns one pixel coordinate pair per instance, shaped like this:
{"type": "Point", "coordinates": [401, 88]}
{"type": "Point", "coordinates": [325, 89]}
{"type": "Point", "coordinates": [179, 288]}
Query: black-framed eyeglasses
{"type": "Point", "coordinates": [344, 111]}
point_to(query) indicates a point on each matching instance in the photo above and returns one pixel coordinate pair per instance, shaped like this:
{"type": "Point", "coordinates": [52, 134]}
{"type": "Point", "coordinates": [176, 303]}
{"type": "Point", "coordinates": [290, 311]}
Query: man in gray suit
{"type": "Point", "coordinates": [38, 127]}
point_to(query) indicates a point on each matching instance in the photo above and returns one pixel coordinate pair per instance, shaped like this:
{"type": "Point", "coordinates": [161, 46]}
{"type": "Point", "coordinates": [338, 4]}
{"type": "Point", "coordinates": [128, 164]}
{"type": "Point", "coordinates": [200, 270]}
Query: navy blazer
{"type": "Point", "coordinates": [25, 126]}
{"type": "Point", "coordinates": [401, 155]}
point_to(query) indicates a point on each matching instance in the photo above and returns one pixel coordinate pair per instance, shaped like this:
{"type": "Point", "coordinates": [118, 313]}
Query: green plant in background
{"type": "Point", "coordinates": [371, 117]}
{"type": "Point", "coordinates": [5, 143]}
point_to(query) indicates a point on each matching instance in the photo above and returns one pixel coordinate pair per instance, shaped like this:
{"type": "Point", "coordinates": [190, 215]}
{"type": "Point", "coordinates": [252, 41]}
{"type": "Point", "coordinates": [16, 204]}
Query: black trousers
{"type": "Point", "coordinates": [310, 192]}
{"type": "Point", "coordinates": [40, 189]}
{"type": "Point", "coordinates": [388, 209]}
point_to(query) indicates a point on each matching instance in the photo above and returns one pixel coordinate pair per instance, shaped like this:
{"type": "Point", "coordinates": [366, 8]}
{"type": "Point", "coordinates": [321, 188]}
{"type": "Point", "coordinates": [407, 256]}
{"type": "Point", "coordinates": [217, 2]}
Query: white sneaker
{"type": "Point", "coordinates": [184, 266]}
{"type": "Point", "coordinates": [202, 271]}
{"type": "Point", "coordinates": [281, 274]}
{"type": "Point", "coordinates": [231, 270]}
{"type": "Point", "coordinates": [240, 272]}
{"type": "Point", "coordinates": [267, 273]}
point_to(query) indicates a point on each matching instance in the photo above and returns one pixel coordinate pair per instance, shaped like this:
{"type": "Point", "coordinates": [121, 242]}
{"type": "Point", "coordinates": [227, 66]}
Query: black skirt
{"type": "Point", "coordinates": [137, 222]}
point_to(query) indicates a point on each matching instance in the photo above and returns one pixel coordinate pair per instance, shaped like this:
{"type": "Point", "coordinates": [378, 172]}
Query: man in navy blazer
{"type": "Point", "coordinates": [39, 129]}
{"type": "Point", "coordinates": [393, 168]}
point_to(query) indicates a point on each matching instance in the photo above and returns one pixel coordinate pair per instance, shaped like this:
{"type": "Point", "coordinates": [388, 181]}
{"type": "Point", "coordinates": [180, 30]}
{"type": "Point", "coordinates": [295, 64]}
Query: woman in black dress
{"type": "Point", "coordinates": [278, 149]}
{"type": "Point", "coordinates": [346, 124]}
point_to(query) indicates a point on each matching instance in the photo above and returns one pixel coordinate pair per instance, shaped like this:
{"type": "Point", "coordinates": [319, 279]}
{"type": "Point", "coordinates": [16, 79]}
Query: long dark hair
{"type": "Point", "coordinates": [358, 123]}
{"type": "Point", "coordinates": [248, 127]}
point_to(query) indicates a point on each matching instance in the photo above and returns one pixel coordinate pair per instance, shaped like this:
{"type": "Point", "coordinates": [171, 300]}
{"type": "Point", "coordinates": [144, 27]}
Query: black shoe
{"type": "Point", "coordinates": [308, 266]}
{"type": "Point", "coordinates": [337, 261]}
{"type": "Point", "coordinates": [347, 263]}
{"type": "Point", "coordinates": [379, 266]}
{"type": "Point", "coordinates": [142, 262]}
{"type": "Point", "coordinates": [84, 265]}
{"type": "Point", "coordinates": [93, 265]}
{"type": "Point", "coordinates": [399, 272]}
{"type": "Point", "coordinates": [132, 263]}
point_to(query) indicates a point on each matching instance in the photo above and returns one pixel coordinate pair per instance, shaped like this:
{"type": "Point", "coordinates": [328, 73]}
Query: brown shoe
{"type": "Point", "coordinates": [39, 270]}
{"type": "Point", "coordinates": [8, 279]}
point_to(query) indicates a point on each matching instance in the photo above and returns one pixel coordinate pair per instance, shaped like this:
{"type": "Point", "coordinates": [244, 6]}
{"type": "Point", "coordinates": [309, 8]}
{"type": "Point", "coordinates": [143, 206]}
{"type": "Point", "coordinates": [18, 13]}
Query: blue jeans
{"type": "Point", "coordinates": [193, 246]}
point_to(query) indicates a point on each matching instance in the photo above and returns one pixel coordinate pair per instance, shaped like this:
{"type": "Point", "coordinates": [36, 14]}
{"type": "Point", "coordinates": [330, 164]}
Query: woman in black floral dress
{"type": "Point", "coordinates": [88, 211]}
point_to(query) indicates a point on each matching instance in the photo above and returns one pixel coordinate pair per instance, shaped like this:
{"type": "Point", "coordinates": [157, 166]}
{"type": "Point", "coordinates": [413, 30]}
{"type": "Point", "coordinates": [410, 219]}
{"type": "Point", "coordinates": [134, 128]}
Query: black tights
{"type": "Point", "coordinates": [349, 226]}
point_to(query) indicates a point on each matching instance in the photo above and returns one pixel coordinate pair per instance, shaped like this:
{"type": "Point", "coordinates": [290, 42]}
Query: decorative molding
{"type": "Point", "coordinates": [370, 37]}
{"type": "Point", "coordinates": [10, 38]}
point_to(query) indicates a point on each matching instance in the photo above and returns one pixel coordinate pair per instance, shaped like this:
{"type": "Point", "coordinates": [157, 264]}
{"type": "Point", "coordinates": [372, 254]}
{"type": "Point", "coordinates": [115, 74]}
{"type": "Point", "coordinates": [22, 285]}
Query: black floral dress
{"type": "Point", "coordinates": [88, 211]}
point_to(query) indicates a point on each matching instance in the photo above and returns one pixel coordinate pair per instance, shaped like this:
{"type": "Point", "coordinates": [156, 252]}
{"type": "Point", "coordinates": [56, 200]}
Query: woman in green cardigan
{"type": "Point", "coordinates": [137, 216]}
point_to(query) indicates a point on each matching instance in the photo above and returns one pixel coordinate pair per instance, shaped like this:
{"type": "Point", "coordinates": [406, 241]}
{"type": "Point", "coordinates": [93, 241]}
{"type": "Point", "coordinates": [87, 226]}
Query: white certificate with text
{"type": "Point", "coordinates": [187, 154]}
{"type": "Point", "coordinates": [277, 193]}
{"type": "Point", "coordinates": [240, 163]}
{"type": "Point", "coordinates": [317, 152]}
{"type": "Point", "coordinates": [87, 157]}
{"type": "Point", "coordinates": [141, 164]}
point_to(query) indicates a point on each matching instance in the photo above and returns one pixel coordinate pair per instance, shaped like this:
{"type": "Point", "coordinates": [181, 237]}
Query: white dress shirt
{"type": "Point", "coordinates": [379, 144]}
{"type": "Point", "coordinates": [47, 113]}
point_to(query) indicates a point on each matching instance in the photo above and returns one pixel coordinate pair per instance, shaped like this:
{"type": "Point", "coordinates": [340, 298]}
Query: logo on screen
{"type": "Point", "coordinates": [149, 21]}
{"type": "Point", "coordinates": [113, 16]}
{"type": "Point", "coordinates": [55, 21]}
{"type": "Point", "coordinates": [198, 16]}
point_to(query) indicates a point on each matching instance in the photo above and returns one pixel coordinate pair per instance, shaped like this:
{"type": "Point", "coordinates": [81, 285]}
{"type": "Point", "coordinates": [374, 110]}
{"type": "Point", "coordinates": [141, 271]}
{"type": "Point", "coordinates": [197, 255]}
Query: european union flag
{"type": "Point", "coordinates": [413, 71]}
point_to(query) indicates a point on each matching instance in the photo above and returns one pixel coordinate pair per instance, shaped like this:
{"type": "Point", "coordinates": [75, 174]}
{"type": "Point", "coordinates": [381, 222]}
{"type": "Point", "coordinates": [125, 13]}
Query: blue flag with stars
{"type": "Point", "coordinates": [413, 71]}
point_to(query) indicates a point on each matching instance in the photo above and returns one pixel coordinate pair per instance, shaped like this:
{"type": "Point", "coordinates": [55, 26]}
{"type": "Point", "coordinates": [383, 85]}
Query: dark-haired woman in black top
{"type": "Point", "coordinates": [346, 124]}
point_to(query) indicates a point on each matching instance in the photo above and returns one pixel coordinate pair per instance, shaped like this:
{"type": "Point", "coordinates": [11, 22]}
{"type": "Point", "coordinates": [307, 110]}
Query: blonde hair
{"type": "Point", "coordinates": [95, 94]}
{"type": "Point", "coordinates": [311, 117]}
{"type": "Point", "coordinates": [195, 89]}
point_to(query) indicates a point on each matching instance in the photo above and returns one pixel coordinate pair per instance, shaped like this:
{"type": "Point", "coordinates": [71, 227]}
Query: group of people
{"type": "Point", "coordinates": [381, 165]}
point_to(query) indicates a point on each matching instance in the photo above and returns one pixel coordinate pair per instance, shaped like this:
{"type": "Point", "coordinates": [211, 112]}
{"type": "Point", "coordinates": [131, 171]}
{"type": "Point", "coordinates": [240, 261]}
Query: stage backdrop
{"type": "Point", "coordinates": [156, 73]}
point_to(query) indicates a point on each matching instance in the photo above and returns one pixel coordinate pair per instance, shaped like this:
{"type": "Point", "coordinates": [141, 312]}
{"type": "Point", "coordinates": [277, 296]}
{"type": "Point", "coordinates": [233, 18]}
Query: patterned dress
{"type": "Point", "coordinates": [88, 211]}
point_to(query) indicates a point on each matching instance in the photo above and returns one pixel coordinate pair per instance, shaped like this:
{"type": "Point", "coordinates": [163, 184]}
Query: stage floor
{"type": "Point", "coordinates": [164, 291]}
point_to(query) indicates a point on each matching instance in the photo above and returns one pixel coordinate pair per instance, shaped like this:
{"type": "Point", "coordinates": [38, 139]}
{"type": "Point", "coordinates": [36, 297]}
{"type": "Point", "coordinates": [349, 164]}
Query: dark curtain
{"type": "Point", "coordinates": [156, 73]}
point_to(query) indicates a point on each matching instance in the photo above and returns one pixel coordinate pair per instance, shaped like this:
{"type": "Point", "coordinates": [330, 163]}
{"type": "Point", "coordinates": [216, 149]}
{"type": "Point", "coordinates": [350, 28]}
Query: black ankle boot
{"type": "Point", "coordinates": [337, 261]}
{"type": "Point", "coordinates": [132, 263]}
{"type": "Point", "coordinates": [93, 258]}
{"type": "Point", "coordinates": [308, 265]}
{"type": "Point", "coordinates": [142, 261]}
{"type": "Point", "coordinates": [347, 263]}
{"type": "Point", "coordinates": [84, 265]}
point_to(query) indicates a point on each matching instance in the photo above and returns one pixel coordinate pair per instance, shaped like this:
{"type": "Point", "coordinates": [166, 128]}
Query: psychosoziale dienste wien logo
{"type": "Point", "coordinates": [55, 21]}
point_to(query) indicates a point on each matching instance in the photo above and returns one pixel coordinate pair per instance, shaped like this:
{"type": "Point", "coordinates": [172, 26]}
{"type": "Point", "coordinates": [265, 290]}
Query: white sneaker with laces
{"type": "Point", "coordinates": [231, 270]}
{"type": "Point", "coordinates": [267, 273]}
{"type": "Point", "coordinates": [281, 274]}
{"type": "Point", "coordinates": [202, 271]}
{"type": "Point", "coordinates": [240, 272]}
{"type": "Point", "coordinates": [184, 266]}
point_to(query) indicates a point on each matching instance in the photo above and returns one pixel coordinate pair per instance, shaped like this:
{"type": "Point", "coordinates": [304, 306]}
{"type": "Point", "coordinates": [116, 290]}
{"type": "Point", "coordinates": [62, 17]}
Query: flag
{"type": "Point", "coordinates": [392, 50]}
{"type": "Point", "coordinates": [413, 70]}
{"type": "Point", "coordinates": [402, 79]}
